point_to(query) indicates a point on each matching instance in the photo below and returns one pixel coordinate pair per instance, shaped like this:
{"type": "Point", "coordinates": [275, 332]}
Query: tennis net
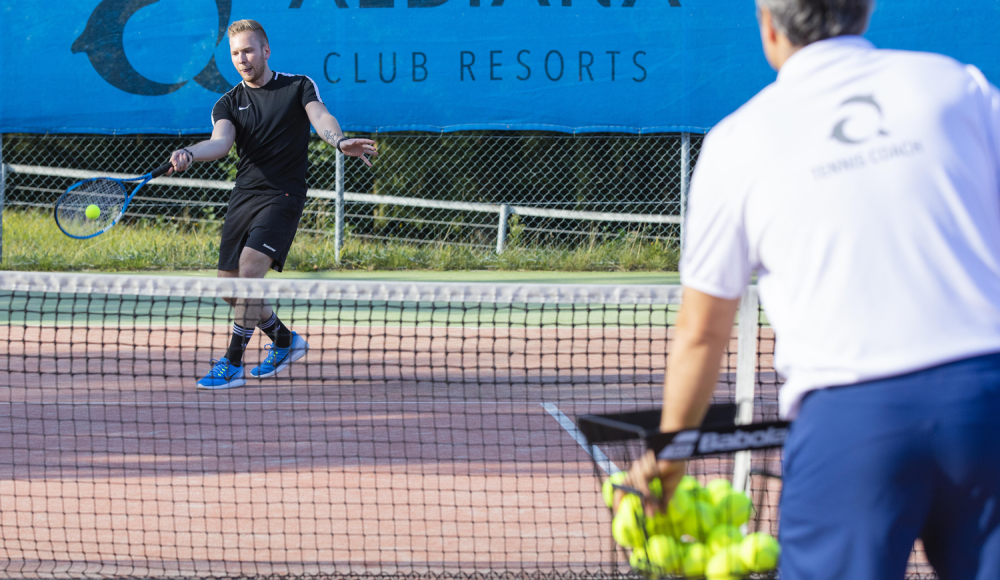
{"type": "Point", "coordinates": [429, 431]}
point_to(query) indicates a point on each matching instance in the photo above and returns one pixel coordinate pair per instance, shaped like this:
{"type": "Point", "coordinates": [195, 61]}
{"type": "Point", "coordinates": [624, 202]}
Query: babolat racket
{"type": "Point", "coordinates": [91, 207]}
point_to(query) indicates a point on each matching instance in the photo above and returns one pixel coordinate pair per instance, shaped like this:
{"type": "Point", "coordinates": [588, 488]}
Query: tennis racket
{"type": "Point", "coordinates": [91, 207]}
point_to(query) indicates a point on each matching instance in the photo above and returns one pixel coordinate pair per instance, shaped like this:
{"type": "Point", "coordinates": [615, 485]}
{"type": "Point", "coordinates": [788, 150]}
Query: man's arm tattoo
{"type": "Point", "coordinates": [329, 137]}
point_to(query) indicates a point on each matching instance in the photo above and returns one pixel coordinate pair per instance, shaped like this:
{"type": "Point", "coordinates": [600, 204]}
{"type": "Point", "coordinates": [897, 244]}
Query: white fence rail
{"type": "Point", "coordinates": [488, 192]}
{"type": "Point", "coordinates": [341, 197]}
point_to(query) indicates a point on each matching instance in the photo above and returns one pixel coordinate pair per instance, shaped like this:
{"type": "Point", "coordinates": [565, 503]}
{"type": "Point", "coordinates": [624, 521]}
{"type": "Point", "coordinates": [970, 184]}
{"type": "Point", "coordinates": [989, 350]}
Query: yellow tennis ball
{"type": "Point", "coordinates": [722, 537]}
{"type": "Point", "coordinates": [733, 508]}
{"type": "Point", "coordinates": [660, 525]}
{"type": "Point", "coordinates": [726, 565]}
{"type": "Point", "coordinates": [632, 504]}
{"type": "Point", "coordinates": [656, 487]}
{"type": "Point", "coordinates": [699, 521]}
{"type": "Point", "coordinates": [690, 485]}
{"type": "Point", "coordinates": [681, 503]}
{"type": "Point", "coordinates": [627, 530]}
{"type": "Point", "coordinates": [760, 552]}
{"type": "Point", "coordinates": [607, 488]}
{"type": "Point", "coordinates": [665, 553]}
{"type": "Point", "coordinates": [92, 212]}
{"type": "Point", "coordinates": [717, 489]}
{"type": "Point", "coordinates": [640, 562]}
{"type": "Point", "coordinates": [695, 559]}
{"type": "Point", "coordinates": [680, 507]}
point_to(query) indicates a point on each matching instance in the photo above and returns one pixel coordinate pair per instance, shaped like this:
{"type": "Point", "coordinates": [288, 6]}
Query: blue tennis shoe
{"type": "Point", "coordinates": [223, 376]}
{"type": "Point", "coordinates": [278, 359]}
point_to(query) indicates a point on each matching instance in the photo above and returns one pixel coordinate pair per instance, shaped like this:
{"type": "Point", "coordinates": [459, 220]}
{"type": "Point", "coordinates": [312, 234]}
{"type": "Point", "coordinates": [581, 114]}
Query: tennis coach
{"type": "Point", "coordinates": [862, 186]}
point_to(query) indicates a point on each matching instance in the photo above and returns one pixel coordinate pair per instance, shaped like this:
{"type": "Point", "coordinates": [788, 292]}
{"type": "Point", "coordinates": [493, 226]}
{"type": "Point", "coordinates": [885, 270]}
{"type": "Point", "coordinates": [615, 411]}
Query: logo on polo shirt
{"type": "Point", "coordinates": [269, 248]}
{"type": "Point", "coordinates": [863, 121]}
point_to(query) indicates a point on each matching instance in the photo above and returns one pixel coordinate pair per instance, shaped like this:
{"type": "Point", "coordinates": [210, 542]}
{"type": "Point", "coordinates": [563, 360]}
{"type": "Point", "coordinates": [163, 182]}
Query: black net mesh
{"type": "Point", "coordinates": [429, 431]}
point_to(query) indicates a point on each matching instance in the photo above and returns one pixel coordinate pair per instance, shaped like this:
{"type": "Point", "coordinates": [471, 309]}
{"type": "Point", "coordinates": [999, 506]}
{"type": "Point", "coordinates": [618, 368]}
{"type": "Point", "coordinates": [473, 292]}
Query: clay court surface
{"type": "Point", "coordinates": [388, 449]}
{"type": "Point", "coordinates": [443, 449]}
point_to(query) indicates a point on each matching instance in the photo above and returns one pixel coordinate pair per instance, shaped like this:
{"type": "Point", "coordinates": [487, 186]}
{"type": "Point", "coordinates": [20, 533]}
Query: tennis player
{"type": "Point", "coordinates": [863, 186]}
{"type": "Point", "coordinates": [268, 117]}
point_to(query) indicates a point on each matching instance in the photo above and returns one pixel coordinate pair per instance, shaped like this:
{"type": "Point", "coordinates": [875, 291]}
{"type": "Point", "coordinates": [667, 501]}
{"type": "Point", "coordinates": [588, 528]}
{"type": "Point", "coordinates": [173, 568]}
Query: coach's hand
{"type": "Point", "coordinates": [181, 160]}
{"type": "Point", "coordinates": [644, 470]}
{"type": "Point", "coordinates": [363, 148]}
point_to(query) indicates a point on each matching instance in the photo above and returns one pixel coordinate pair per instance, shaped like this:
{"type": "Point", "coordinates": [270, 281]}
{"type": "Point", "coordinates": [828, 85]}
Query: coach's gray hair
{"type": "Point", "coordinates": [808, 21]}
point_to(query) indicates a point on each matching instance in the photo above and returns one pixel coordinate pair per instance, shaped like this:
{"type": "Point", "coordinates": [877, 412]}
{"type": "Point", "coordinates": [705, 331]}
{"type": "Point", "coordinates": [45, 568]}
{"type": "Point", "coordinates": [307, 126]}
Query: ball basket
{"type": "Point", "coordinates": [713, 527]}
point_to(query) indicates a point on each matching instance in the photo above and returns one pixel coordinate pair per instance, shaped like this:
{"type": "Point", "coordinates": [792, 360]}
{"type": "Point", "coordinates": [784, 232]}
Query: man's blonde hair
{"type": "Point", "coordinates": [248, 25]}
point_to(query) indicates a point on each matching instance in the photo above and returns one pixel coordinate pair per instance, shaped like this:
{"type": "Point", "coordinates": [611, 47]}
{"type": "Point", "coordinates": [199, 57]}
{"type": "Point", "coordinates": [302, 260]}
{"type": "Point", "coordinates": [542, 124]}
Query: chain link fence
{"type": "Point", "coordinates": [483, 190]}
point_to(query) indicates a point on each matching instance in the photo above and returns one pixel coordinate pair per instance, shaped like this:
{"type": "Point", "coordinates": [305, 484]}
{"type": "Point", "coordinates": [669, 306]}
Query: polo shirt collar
{"type": "Point", "coordinates": [821, 54]}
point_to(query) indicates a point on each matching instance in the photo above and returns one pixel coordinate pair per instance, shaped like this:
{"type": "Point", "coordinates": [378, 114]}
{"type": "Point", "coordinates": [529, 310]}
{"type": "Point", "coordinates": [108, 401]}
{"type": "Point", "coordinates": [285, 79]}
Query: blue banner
{"type": "Point", "coordinates": [639, 66]}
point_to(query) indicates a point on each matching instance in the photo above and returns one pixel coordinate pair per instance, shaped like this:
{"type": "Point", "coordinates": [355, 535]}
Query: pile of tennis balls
{"type": "Point", "coordinates": [698, 537]}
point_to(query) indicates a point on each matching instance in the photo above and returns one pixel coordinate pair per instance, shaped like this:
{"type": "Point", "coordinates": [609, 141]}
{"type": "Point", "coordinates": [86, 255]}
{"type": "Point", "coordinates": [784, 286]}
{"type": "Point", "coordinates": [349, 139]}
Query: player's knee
{"type": "Point", "coordinates": [254, 264]}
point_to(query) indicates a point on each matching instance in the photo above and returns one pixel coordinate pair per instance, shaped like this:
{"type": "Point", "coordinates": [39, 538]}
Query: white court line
{"type": "Point", "coordinates": [272, 402]}
{"type": "Point", "coordinates": [567, 424]}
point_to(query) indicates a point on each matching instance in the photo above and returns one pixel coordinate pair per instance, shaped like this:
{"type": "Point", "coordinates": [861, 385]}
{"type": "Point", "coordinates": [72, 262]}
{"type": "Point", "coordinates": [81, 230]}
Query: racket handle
{"type": "Point", "coordinates": [161, 169]}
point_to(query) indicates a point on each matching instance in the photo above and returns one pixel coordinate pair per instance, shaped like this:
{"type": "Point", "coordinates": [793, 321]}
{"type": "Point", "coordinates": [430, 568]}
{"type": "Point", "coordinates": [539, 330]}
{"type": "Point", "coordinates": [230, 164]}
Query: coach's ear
{"type": "Point", "coordinates": [777, 47]}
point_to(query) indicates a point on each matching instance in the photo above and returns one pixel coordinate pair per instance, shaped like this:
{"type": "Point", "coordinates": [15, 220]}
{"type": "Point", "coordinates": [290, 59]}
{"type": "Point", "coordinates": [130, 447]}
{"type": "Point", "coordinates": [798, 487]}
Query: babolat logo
{"type": "Point", "coordinates": [682, 446]}
{"type": "Point", "coordinates": [742, 440]}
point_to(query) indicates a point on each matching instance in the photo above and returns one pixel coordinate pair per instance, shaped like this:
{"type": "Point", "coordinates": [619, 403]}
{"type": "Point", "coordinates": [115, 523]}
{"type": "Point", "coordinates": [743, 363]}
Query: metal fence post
{"type": "Point", "coordinates": [338, 243]}
{"type": "Point", "coordinates": [3, 188]}
{"type": "Point", "coordinates": [748, 320]}
{"type": "Point", "coordinates": [502, 227]}
{"type": "Point", "coordinates": [685, 177]}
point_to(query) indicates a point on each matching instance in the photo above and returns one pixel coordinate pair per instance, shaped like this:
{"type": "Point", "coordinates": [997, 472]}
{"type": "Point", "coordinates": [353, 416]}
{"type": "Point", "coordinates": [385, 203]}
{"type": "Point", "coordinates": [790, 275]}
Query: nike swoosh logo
{"type": "Point", "coordinates": [244, 108]}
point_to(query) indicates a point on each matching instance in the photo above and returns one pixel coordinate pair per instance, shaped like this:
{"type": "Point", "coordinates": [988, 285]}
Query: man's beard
{"type": "Point", "coordinates": [258, 73]}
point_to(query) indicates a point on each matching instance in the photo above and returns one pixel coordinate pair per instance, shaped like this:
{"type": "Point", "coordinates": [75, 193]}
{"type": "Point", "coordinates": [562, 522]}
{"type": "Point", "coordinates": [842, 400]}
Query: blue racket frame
{"type": "Point", "coordinates": [142, 180]}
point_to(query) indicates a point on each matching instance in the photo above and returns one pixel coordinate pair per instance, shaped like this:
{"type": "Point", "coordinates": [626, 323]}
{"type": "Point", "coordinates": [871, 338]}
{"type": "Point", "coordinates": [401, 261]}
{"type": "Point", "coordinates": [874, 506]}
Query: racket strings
{"type": "Point", "coordinates": [107, 195]}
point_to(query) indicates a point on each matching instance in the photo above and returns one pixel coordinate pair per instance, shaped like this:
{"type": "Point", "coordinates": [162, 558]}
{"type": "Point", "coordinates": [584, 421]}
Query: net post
{"type": "Point", "coordinates": [746, 370]}
{"type": "Point", "coordinates": [338, 209]}
{"type": "Point", "coordinates": [502, 227]}
{"type": "Point", "coordinates": [685, 179]}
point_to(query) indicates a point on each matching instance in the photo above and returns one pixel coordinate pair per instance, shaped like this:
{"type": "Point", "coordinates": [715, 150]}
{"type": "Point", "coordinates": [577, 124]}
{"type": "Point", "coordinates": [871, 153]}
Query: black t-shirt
{"type": "Point", "coordinates": [272, 133]}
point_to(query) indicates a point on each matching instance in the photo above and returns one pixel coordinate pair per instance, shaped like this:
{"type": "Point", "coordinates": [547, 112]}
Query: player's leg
{"type": "Point", "coordinates": [243, 209]}
{"type": "Point", "coordinates": [272, 236]}
{"type": "Point", "coordinates": [856, 486]}
{"type": "Point", "coordinates": [248, 312]}
{"type": "Point", "coordinates": [235, 273]}
{"type": "Point", "coordinates": [962, 534]}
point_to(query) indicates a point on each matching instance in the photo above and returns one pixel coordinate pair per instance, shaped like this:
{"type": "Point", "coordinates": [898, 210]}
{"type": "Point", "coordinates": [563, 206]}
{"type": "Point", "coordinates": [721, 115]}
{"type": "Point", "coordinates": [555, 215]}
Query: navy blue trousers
{"type": "Point", "coordinates": [869, 468]}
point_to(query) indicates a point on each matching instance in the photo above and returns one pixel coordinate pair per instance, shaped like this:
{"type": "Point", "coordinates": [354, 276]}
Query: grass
{"type": "Point", "coordinates": [31, 241]}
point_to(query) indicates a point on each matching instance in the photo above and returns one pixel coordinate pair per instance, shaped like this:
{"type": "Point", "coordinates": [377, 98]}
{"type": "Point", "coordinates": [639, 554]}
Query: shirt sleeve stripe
{"type": "Point", "coordinates": [228, 94]}
{"type": "Point", "coordinates": [315, 88]}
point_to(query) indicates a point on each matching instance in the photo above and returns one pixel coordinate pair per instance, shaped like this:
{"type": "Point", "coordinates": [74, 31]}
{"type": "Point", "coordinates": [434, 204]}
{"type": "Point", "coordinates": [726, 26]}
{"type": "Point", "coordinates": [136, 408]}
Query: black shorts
{"type": "Point", "coordinates": [264, 222]}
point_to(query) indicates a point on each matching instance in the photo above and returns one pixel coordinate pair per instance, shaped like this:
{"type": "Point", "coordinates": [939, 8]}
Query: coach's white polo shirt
{"type": "Point", "coordinates": [862, 186]}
